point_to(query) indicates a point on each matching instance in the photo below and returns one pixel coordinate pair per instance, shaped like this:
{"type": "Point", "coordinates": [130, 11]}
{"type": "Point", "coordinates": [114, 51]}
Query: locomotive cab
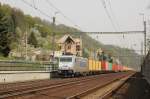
{"type": "Point", "coordinates": [72, 65]}
{"type": "Point", "coordinates": [66, 65]}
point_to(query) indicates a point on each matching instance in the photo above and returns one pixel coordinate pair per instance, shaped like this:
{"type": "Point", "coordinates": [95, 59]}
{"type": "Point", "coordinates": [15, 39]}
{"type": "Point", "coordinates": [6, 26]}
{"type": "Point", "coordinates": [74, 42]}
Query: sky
{"type": "Point", "coordinates": [90, 15]}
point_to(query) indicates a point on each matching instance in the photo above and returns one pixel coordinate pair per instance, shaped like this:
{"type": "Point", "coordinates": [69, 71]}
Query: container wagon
{"type": "Point", "coordinates": [70, 65]}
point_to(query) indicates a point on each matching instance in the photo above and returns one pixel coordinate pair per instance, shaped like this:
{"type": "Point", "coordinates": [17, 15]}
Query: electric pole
{"type": "Point", "coordinates": [144, 25]}
{"type": "Point", "coordinates": [145, 47]}
{"type": "Point", "coordinates": [53, 37]}
{"type": "Point", "coordinates": [26, 41]}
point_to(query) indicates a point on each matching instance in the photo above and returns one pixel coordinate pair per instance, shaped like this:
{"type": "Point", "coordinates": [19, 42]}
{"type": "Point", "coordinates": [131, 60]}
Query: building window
{"type": "Point", "coordinates": [77, 48]}
{"type": "Point", "coordinates": [69, 47]}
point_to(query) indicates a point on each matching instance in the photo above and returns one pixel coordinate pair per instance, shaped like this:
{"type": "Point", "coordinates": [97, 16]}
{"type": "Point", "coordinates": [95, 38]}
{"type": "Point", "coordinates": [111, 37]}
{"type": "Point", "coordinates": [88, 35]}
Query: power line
{"type": "Point", "coordinates": [109, 16]}
{"type": "Point", "coordinates": [67, 18]}
{"type": "Point", "coordinates": [45, 14]}
{"type": "Point", "coordinates": [92, 32]}
{"type": "Point", "coordinates": [36, 8]}
{"type": "Point", "coordinates": [112, 12]}
{"type": "Point", "coordinates": [113, 15]}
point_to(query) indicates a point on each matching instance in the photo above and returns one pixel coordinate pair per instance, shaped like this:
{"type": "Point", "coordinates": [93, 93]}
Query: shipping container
{"type": "Point", "coordinates": [114, 67]}
{"type": "Point", "coordinates": [103, 65]}
{"type": "Point", "coordinates": [107, 66]}
{"type": "Point", "coordinates": [90, 64]}
{"type": "Point", "coordinates": [94, 65]}
{"type": "Point", "coordinates": [98, 66]}
{"type": "Point", "coordinates": [121, 68]}
{"type": "Point", "coordinates": [110, 66]}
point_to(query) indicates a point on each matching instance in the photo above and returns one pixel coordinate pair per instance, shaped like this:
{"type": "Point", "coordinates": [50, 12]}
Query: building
{"type": "Point", "coordinates": [69, 45]}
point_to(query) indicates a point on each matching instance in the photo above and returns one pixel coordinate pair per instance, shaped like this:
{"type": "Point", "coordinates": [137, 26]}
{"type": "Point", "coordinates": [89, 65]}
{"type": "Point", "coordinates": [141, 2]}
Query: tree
{"type": "Point", "coordinates": [6, 32]}
{"type": "Point", "coordinates": [102, 56]}
{"type": "Point", "coordinates": [33, 40]}
{"type": "Point", "coordinates": [85, 53]}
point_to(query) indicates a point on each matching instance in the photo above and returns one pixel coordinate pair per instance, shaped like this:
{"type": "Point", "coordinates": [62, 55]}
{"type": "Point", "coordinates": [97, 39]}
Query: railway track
{"type": "Point", "coordinates": [100, 88]}
{"type": "Point", "coordinates": [39, 83]}
{"type": "Point", "coordinates": [12, 86]}
{"type": "Point", "coordinates": [105, 92]}
{"type": "Point", "coordinates": [37, 86]}
{"type": "Point", "coordinates": [64, 87]}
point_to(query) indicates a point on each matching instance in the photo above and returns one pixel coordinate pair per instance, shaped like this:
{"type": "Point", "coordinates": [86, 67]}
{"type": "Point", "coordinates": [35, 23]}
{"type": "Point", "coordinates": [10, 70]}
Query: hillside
{"type": "Point", "coordinates": [15, 26]}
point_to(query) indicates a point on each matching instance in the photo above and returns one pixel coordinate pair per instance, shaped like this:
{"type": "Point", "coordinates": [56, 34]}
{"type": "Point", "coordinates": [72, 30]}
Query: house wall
{"type": "Point", "coordinates": [64, 46]}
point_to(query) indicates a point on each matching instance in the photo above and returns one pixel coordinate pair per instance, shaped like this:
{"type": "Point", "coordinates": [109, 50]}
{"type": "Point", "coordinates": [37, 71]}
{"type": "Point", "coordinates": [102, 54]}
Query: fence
{"type": "Point", "coordinates": [12, 65]}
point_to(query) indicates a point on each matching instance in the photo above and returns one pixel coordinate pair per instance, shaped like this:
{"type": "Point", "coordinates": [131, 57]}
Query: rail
{"type": "Point", "coordinates": [26, 90]}
{"type": "Point", "coordinates": [31, 90]}
{"type": "Point", "coordinates": [94, 89]}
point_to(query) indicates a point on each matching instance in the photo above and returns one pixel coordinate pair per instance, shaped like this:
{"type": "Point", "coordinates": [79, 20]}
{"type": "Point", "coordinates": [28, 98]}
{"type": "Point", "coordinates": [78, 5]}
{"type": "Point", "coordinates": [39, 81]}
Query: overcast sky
{"type": "Point", "coordinates": [90, 15]}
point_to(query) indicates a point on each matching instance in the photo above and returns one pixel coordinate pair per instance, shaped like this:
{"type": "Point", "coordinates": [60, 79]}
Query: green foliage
{"type": "Point", "coordinates": [102, 57]}
{"type": "Point", "coordinates": [85, 53]}
{"type": "Point", "coordinates": [19, 19]}
{"type": "Point", "coordinates": [44, 31]}
{"type": "Point", "coordinates": [6, 32]}
{"type": "Point", "coordinates": [32, 40]}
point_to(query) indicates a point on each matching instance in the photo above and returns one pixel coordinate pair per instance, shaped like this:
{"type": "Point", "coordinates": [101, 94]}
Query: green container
{"type": "Point", "coordinates": [110, 66]}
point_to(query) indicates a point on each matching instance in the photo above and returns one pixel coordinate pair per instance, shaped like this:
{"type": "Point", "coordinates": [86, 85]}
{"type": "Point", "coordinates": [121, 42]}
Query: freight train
{"type": "Point", "coordinates": [70, 65]}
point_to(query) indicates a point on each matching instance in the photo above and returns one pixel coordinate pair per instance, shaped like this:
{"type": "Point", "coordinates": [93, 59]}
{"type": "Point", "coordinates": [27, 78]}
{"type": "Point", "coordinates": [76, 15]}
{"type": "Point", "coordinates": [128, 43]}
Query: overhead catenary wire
{"type": "Point", "coordinates": [123, 32]}
{"type": "Point", "coordinates": [47, 15]}
{"type": "Point", "coordinates": [59, 11]}
{"type": "Point", "coordinates": [113, 14]}
{"type": "Point", "coordinates": [109, 16]}
{"type": "Point", "coordinates": [37, 9]}
{"type": "Point", "coordinates": [113, 22]}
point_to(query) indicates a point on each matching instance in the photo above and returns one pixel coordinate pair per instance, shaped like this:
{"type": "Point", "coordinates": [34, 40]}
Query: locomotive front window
{"type": "Point", "coordinates": [66, 59]}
